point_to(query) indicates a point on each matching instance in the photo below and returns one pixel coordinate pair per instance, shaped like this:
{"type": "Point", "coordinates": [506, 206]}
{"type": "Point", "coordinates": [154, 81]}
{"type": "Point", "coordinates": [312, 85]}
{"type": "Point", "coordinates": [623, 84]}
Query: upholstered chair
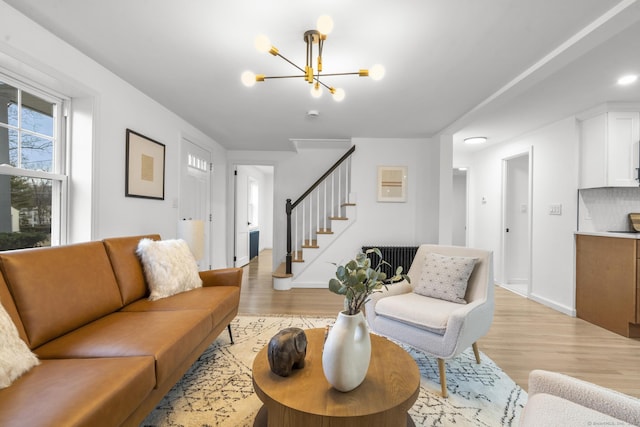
{"type": "Point", "coordinates": [560, 400]}
{"type": "Point", "coordinates": [437, 326]}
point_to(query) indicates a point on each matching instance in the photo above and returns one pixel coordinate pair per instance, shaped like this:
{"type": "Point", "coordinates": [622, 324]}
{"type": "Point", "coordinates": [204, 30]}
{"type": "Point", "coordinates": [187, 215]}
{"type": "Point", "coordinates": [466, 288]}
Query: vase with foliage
{"type": "Point", "coordinates": [347, 350]}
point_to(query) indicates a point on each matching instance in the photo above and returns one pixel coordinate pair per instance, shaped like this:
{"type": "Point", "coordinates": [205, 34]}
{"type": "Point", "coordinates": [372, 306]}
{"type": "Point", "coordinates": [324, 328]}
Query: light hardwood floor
{"type": "Point", "coordinates": [524, 335]}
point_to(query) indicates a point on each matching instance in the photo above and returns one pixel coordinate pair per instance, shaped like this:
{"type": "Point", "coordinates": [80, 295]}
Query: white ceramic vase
{"type": "Point", "coordinates": [347, 352]}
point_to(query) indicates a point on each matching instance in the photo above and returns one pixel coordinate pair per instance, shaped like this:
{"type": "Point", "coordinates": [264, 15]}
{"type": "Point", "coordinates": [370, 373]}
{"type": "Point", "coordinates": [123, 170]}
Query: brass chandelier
{"type": "Point", "coordinates": [311, 76]}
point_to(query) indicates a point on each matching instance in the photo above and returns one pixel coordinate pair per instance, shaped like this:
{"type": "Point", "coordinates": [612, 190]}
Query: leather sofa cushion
{"type": "Point", "coordinates": [127, 267]}
{"type": "Point", "coordinates": [7, 302]}
{"type": "Point", "coordinates": [168, 336]}
{"type": "Point", "coordinates": [78, 392]}
{"type": "Point", "coordinates": [59, 289]}
{"type": "Point", "coordinates": [220, 301]}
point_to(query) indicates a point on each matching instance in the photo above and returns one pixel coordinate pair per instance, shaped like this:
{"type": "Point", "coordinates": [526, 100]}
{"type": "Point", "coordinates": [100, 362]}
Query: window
{"type": "Point", "coordinates": [253, 199]}
{"type": "Point", "coordinates": [32, 180]}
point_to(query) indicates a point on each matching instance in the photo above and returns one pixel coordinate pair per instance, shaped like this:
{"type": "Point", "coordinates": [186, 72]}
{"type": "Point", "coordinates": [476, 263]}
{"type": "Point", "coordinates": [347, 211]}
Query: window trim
{"type": "Point", "coordinates": [59, 177]}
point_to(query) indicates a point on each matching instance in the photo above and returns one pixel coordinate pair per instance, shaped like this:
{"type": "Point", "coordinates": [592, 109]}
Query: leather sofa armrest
{"type": "Point", "coordinates": [222, 277]}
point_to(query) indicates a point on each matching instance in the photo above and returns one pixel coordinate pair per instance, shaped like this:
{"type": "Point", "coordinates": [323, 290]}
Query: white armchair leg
{"type": "Point", "coordinates": [476, 352]}
{"type": "Point", "coordinates": [443, 377]}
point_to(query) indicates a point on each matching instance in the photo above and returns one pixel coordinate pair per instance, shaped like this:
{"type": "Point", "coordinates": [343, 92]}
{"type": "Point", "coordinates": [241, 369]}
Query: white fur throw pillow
{"type": "Point", "coordinates": [445, 277]}
{"type": "Point", "coordinates": [15, 357]}
{"type": "Point", "coordinates": [169, 267]}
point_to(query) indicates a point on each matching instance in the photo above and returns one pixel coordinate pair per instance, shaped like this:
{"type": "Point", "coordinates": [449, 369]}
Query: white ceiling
{"type": "Point", "coordinates": [497, 68]}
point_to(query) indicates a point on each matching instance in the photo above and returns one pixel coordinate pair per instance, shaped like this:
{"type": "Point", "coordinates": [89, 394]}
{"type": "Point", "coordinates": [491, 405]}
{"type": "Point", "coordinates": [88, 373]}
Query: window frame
{"type": "Point", "coordinates": [58, 175]}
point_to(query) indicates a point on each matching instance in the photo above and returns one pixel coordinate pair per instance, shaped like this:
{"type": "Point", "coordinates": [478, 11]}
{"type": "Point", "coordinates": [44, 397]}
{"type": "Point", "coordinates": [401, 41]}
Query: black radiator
{"type": "Point", "coordinates": [394, 255]}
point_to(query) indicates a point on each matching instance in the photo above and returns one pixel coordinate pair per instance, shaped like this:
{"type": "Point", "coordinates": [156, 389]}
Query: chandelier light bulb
{"type": "Point", "coordinates": [324, 24]}
{"type": "Point", "coordinates": [316, 90]}
{"type": "Point", "coordinates": [248, 78]}
{"type": "Point", "coordinates": [338, 95]}
{"type": "Point", "coordinates": [377, 72]}
{"type": "Point", "coordinates": [262, 43]}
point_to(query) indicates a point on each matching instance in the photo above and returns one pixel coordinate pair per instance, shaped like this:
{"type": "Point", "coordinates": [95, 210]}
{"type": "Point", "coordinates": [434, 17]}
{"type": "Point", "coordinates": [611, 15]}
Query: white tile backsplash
{"type": "Point", "coordinates": [608, 208]}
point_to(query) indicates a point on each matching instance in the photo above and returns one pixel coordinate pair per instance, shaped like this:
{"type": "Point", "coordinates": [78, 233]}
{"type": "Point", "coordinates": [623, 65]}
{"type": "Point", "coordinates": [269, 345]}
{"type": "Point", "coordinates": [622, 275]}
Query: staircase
{"type": "Point", "coordinates": [316, 220]}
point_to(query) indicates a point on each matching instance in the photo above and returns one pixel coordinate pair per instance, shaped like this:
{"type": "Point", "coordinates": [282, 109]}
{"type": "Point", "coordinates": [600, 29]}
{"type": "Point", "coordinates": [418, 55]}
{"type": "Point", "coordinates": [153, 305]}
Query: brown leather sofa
{"type": "Point", "coordinates": [108, 355]}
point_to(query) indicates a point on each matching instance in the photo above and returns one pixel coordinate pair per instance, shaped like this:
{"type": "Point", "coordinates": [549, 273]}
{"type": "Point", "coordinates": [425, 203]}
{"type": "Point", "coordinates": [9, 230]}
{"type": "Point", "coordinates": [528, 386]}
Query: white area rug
{"type": "Point", "coordinates": [217, 390]}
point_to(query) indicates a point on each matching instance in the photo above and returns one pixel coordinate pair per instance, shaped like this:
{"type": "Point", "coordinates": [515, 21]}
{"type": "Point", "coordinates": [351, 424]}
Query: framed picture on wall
{"type": "Point", "coordinates": [145, 167]}
{"type": "Point", "coordinates": [392, 183]}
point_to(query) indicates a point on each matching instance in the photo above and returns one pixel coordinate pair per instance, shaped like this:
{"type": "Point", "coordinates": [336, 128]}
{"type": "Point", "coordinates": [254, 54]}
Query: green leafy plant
{"type": "Point", "coordinates": [357, 280]}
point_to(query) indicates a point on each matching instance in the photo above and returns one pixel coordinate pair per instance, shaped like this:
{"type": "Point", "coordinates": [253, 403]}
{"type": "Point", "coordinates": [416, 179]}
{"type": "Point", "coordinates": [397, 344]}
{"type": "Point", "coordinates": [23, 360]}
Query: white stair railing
{"type": "Point", "coordinates": [303, 226]}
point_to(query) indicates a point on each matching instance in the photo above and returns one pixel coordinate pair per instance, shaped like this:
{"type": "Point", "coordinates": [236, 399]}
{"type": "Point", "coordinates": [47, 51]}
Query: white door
{"type": "Point", "coordinates": [516, 248]}
{"type": "Point", "coordinates": [241, 256]}
{"type": "Point", "coordinates": [195, 192]}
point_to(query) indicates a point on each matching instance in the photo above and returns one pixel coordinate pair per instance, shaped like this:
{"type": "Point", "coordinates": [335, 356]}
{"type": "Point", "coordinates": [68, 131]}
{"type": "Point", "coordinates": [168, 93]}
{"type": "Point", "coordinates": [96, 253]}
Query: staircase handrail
{"type": "Point", "coordinates": [290, 206]}
{"type": "Point", "coordinates": [323, 177]}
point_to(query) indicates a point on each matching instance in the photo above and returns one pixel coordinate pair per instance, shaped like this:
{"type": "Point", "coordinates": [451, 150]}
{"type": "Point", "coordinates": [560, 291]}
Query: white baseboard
{"type": "Point", "coordinates": [552, 304]}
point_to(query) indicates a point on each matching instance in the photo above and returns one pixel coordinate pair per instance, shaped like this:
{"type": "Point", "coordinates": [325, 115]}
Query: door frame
{"type": "Point", "coordinates": [233, 167]}
{"type": "Point", "coordinates": [207, 259]}
{"type": "Point", "coordinates": [504, 207]}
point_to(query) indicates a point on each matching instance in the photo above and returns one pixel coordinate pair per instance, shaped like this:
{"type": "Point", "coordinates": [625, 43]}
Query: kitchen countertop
{"type": "Point", "coordinates": [621, 235]}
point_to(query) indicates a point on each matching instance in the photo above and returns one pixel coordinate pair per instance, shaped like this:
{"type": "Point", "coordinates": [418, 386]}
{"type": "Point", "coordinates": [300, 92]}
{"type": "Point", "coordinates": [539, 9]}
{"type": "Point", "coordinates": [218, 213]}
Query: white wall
{"type": "Point", "coordinates": [413, 222]}
{"type": "Point", "coordinates": [555, 181]}
{"type": "Point", "coordinates": [109, 107]}
{"type": "Point", "coordinates": [294, 173]}
{"type": "Point", "coordinates": [380, 223]}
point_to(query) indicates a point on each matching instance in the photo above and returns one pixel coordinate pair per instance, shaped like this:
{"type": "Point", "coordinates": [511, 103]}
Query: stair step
{"type": "Point", "coordinates": [281, 272]}
{"type": "Point", "coordinates": [347, 204]}
{"type": "Point", "coordinates": [325, 231]}
{"type": "Point", "coordinates": [312, 245]}
{"type": "Point", "coordinates": [338, 218]}
{"type": "Point", "coordinates": [297, 257]}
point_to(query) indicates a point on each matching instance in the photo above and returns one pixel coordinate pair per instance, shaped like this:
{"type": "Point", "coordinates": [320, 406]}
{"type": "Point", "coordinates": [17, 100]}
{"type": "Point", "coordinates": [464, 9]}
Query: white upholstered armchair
{"type": "Point", "coordinates": [556, 399]}
{"type": "Point", "coordinates": [436, 326]}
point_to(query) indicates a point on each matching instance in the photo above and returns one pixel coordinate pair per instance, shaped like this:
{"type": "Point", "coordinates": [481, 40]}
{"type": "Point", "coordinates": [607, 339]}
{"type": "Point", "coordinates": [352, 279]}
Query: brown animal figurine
{"type": "Point", "coordinates": [287, 350]}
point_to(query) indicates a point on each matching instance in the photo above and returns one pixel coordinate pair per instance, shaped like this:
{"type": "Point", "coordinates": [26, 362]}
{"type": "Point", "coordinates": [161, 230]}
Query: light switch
{"type": "Point", "coordinates": [555, 209]}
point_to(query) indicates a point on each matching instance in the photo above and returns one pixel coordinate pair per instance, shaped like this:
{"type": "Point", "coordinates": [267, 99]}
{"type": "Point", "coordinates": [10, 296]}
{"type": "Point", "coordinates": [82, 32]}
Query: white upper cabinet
{"type": "Point", "coordinates": [609, 153]}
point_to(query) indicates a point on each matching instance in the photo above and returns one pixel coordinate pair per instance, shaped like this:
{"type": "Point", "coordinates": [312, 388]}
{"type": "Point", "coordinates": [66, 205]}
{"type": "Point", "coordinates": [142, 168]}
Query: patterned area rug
{"type": "Point", "coordinates": [217, 390]}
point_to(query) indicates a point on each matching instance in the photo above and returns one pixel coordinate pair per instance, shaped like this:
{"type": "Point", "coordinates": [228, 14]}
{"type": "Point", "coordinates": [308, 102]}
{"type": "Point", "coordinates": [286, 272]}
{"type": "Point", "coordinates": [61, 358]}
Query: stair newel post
{"type": "Point", "coordinates": [288, 259]}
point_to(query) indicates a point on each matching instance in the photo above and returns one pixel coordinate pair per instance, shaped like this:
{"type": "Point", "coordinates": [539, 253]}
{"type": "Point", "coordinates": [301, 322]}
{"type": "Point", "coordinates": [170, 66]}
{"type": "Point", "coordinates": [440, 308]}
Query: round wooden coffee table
{"type": "Point", "coordinates": [305, 398]}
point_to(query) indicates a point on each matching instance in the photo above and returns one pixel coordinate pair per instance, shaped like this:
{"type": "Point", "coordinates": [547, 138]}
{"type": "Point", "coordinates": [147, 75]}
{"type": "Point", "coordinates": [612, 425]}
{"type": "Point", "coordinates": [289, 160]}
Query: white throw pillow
{"type": "Point", "coordinates": [169, 267]}
{"type": "Point", "coordinates": [445, 277]}
{"type": "Point", "coordinates": [15, 357]}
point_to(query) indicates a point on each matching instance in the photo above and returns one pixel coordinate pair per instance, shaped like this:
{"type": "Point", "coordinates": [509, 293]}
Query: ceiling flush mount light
{"type": "Point", "coordinates": [475, 140]}
{"type": "Point", "coordinates": [309, 74]}
{"type": "Point", "coordinates": [628, 79]}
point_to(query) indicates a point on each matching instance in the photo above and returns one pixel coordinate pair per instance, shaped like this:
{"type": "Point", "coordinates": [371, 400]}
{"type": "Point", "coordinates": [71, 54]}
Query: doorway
{"type": "Point", "coordinates": [195, 192]}
{"type": "Point", "coordinates": [253, 211]}
{"type": "Point", "coordinates": [516, 236]}
{"type": "Point", "coordinates": [459, 220]}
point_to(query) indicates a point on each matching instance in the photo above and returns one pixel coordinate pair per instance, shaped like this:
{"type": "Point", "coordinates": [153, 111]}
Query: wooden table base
{"type": "Point", "coordinates": [305, 398]}
{"type": "Point", "coordinates": [261, 419]}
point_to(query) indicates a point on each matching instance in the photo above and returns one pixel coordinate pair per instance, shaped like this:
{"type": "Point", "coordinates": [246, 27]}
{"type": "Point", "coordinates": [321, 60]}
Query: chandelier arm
{"type": "Point", "coordinates": [340, 74]}
{"type": "Point", "coordinates": [298, 77]}
{"type": "Point", "coordinates": [301, 69]}
{"type": "Point", "coordinates": [318, 80]}
{"type": "Point", "coordinates": [284, 77]}
{"type": "Point", "coordinates": [309, 42]}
